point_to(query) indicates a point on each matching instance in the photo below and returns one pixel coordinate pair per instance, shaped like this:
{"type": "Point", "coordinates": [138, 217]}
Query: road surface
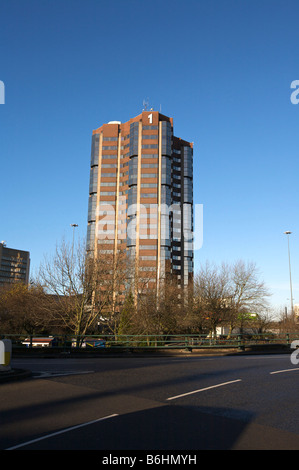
{"type": "Point", "coordinates": [188, 403]}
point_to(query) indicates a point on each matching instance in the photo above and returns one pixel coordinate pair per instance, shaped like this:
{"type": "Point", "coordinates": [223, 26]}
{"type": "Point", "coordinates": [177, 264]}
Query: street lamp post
{"type": "Point", "coordinates": [74, 226]}
{"type": "Point", "coordinates": [292, 309]}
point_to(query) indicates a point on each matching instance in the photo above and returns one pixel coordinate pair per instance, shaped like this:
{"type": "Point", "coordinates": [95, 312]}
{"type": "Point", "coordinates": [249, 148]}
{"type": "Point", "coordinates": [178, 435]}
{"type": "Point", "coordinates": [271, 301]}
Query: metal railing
{"type": "Point", "coordinates": [125, 342]}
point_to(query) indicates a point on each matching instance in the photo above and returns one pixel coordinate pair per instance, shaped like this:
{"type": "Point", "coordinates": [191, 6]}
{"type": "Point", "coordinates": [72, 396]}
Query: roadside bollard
{"type": "Point", "coordinates": [5, 355]}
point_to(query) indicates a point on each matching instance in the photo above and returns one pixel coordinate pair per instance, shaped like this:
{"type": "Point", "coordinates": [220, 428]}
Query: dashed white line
{"type": "Point", "coordinates": [204, 389]}
{"type": "Point", "coordinates": [45, 375]}
{"type": "Point", "coordinates": [285, 370]}
{"type": "Point", "coordinates": [60, 432]}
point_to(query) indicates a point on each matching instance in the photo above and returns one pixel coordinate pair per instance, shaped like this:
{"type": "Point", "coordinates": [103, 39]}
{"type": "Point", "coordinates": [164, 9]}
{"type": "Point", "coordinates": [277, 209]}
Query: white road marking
{"type": "Point", "coordinates": [42, 375]}
{"type": "Point", "coordinates": [260, 356]}
{"type": "Point", "coordinates": [60, 432]}
{"type": "Point", "coordinates": [285, 370]}
{"type": "Point", "coordinates": [204, 389]}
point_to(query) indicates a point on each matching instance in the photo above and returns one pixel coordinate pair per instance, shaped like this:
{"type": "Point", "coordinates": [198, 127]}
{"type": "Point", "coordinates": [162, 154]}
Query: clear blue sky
{"type": "Point", "coordinates": [221, 68]}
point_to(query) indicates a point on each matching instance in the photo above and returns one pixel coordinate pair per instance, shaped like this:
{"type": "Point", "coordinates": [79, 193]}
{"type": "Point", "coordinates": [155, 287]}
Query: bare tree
{"type": "Point", "coordinates": [127, 320]}
{"type": "Point", "coordinates": [83, 290]}
{"type": "Point", "coordinates": [211, 291]}
{"type": "Point", "coordinates": [21, 309]}
{"type": "Point", "coordinates": [248, 293]}
{"type": "Point", "coordinates": [264, 321]}
{"type": "Point", "coordinates": [226, 294]}
{"type": "Point", "coordinates": [158, 309]}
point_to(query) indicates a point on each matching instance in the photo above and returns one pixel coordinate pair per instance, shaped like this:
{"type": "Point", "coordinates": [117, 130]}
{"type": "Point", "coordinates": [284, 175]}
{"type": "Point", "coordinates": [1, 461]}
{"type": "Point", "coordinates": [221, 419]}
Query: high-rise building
{"type": "Point", "coordinates": [141, 196]}
{"type": "Point", "coordinates": [14, 265]}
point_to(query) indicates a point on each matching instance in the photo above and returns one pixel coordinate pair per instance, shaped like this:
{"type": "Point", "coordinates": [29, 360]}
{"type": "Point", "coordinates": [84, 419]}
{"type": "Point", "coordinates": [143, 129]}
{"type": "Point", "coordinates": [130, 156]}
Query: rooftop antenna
{"type": "Point", "coordinates": [145, 104]}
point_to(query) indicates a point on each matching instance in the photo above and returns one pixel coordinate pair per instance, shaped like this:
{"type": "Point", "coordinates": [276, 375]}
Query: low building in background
{"type": "Point", "coordinates": [14, 265]}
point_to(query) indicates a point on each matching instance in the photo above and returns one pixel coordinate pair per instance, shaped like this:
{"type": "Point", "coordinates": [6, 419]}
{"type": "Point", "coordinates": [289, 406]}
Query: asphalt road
{"type": "Point", "coordinates": [152, 404]}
